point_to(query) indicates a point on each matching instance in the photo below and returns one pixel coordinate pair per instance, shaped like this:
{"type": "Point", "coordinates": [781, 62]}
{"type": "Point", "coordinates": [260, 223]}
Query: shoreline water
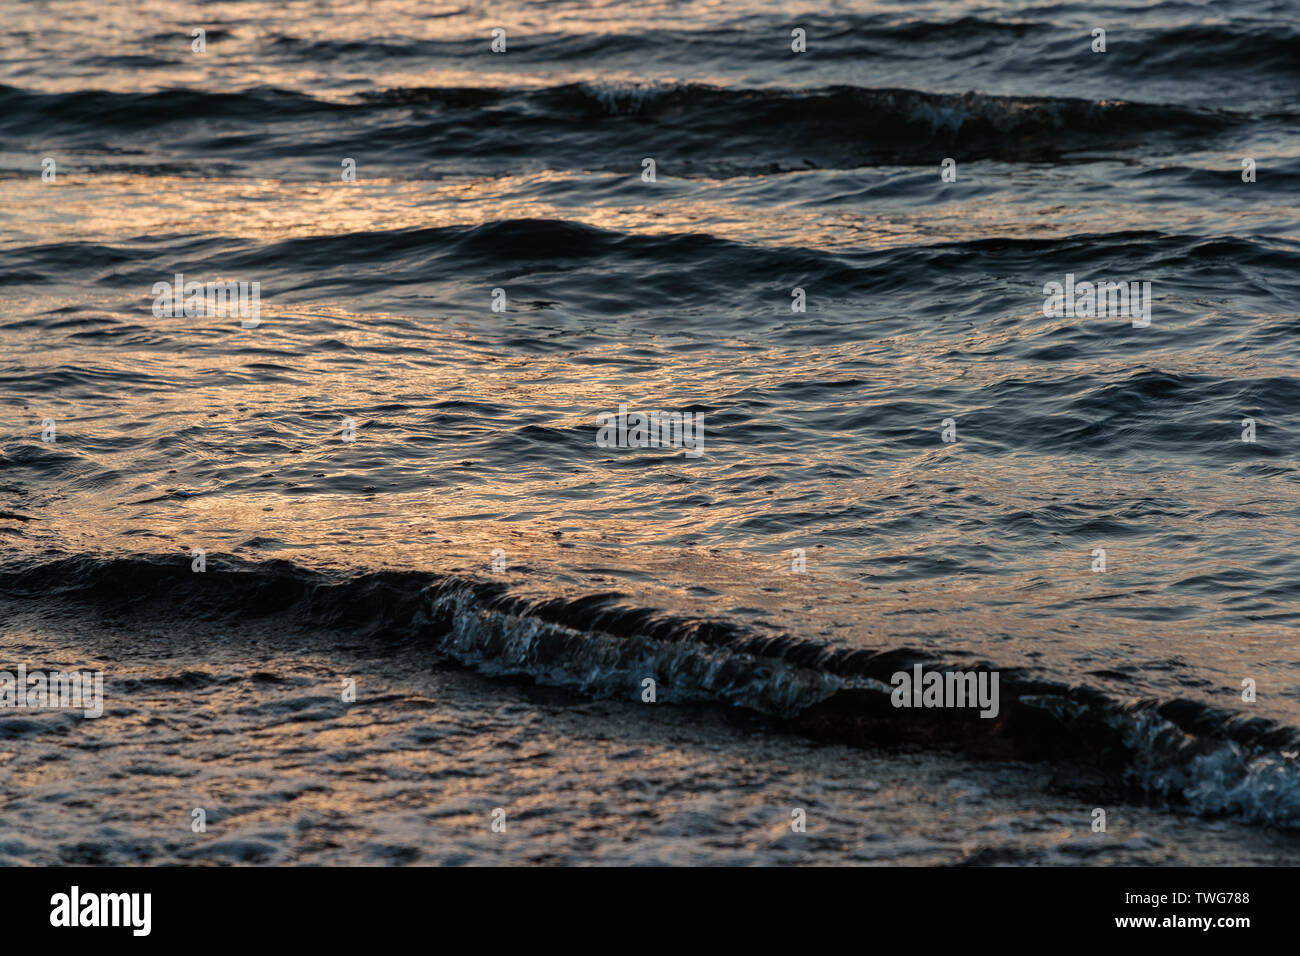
{"type": "Point", "coordinates": [1185, 757]}
{"type": "Point", "coordinates": [247, 724]}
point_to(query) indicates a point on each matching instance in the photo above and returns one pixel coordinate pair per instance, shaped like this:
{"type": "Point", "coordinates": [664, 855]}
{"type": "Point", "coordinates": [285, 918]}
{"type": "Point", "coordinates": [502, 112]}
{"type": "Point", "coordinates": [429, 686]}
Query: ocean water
{"type": "Point", "coordinates": [905, 459]}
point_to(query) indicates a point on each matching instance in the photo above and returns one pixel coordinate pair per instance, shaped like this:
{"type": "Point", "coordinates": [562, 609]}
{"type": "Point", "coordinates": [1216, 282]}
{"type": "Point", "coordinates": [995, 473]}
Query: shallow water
{"type": "Point", "coordinates": [246, 725]}
{"type": "Point", "coordinates": [475, 430]}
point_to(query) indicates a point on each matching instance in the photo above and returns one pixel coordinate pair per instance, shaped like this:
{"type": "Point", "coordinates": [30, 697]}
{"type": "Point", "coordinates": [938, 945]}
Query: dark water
{"type": "Point", "coordinates": [475, 430]}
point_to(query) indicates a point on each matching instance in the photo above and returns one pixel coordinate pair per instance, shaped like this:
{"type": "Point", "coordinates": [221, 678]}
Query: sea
{"type": "Point", "coordinates": [561, 433]}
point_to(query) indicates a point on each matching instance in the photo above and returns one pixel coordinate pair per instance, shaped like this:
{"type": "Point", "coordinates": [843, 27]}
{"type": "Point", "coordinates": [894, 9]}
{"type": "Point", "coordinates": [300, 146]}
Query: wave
{"type": "Point", "coordinates": [671, 268]}
{"type": "Point", "coordinates": [1034, 45]}
{"type": "Point", "coordinates": [851, 124]}
{"type": "Point", "coordinates": [696, 129]}
{"type": "Point", "coordinates": [1210, 760]}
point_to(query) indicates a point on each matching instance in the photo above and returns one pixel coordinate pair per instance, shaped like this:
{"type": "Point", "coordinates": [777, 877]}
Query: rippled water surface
{"type": "Point", "coordinates": [775, 171]}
